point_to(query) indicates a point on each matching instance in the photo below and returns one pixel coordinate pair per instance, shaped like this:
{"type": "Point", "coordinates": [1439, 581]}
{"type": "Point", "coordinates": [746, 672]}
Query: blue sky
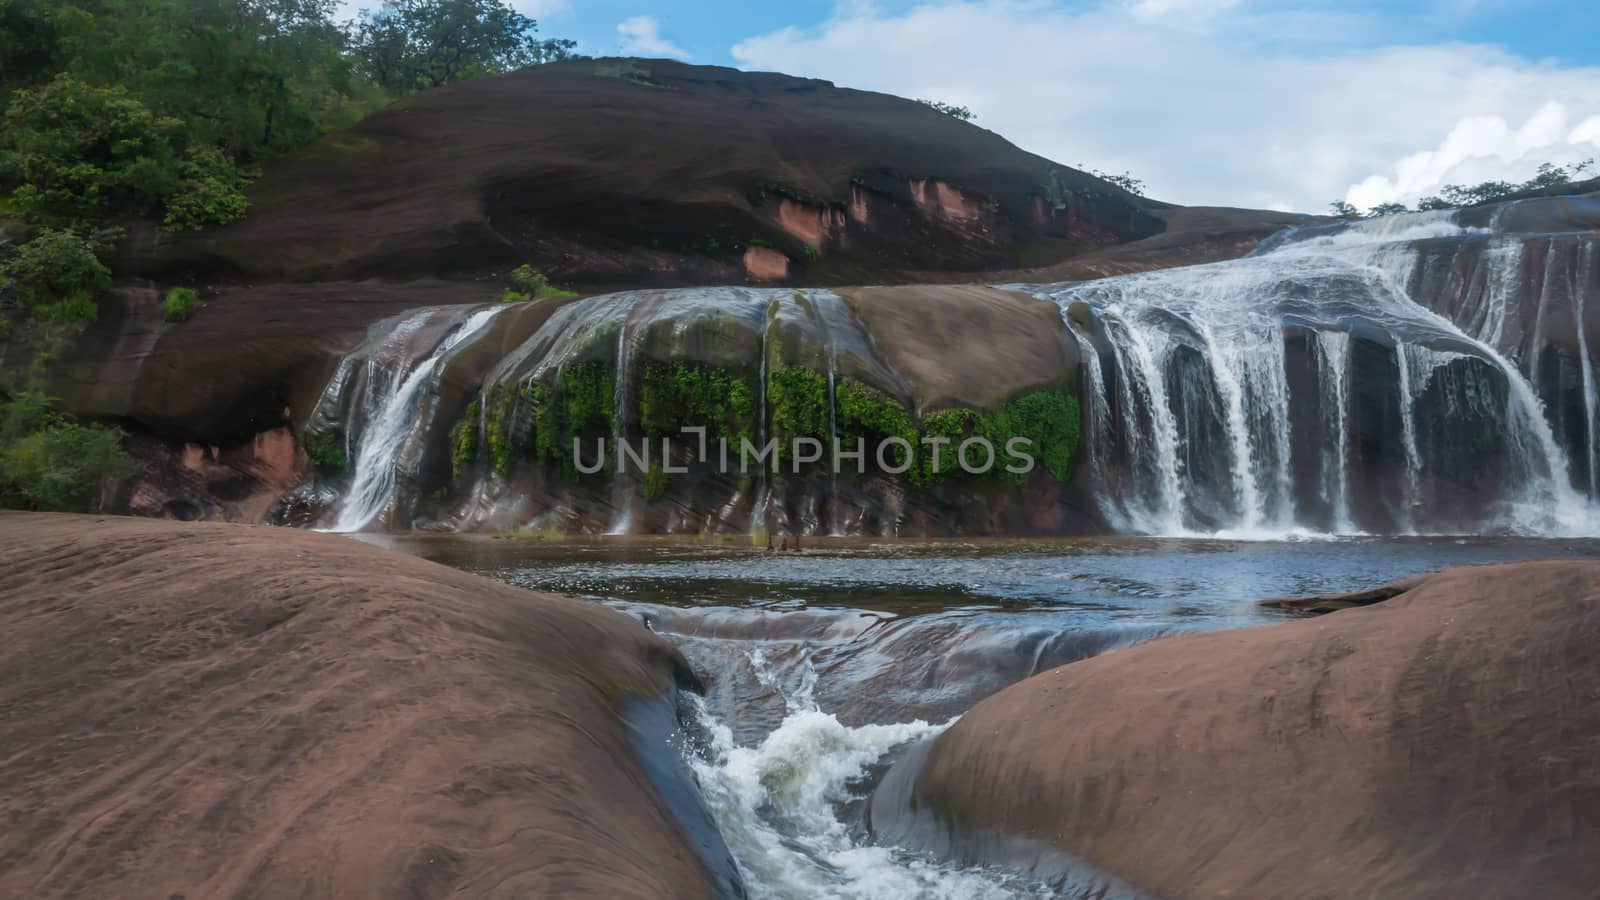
{"type": "Point", "coordinates": [1562, 30]}
{"type": "Point", "coordinates": [1285, 104]}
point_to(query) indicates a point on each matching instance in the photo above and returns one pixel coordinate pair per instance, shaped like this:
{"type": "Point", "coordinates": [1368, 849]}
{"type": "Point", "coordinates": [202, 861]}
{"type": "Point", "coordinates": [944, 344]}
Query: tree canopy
{"type": "Point", "coordinates": [1455, 196]}
{"type": "Point", "coordinates": [410, 45]}
{"type": "Point", "coordinates": [112, 110]}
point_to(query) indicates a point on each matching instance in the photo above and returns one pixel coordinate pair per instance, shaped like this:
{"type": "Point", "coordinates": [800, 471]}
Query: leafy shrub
{"type": "Point", "coordinates": [526, 284]}
{"type": "Point", "coordinates": [57, 274]}
{"type": "Point", "coordinates": [50, 463]}
{"type": "Point", "coordinates": [82, 151]}
{"type": "Point", "coordinates": [210, 191]}
{"type": "Point", "coordinates": [179, 305]}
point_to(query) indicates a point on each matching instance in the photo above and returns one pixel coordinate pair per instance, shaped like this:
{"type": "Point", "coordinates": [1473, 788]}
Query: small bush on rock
{"type": "Point", "coordinates": [179, 305]}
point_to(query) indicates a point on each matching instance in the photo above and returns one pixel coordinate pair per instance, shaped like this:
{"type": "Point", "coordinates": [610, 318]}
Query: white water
{"type": "Point", "coordinates": [1234, 315]}
{"type": "Point", "coordinates": [402, 397]}
{"type": "Point", "coordinates": [1582, 278]}
{"type": "Point", "coordinates": [1333, 361]}
{"type": "Point", "coordinates": [623, 489]}
{"type": "Point", "coordinates": [777, 805]}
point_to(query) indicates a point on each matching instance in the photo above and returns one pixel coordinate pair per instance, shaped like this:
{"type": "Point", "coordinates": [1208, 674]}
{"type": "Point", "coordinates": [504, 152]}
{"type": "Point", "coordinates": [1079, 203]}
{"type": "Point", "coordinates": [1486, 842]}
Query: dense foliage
{"type": "Point", "coordinates": [50, 463]}
{"type": "Point", "coordinates": [410, 45]}
{"type": "Point", "coordinates": [115, 110]}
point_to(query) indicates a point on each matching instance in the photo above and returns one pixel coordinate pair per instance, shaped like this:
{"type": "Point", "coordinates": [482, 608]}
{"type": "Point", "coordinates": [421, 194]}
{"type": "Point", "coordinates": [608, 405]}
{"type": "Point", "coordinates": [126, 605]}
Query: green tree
{"type": "Point", "coordinates": [56, 274]}
{"type": "Point", "coordinates": [1387, 209]}
{"type": "Point", "coordinates": [411, 45]}
{"type": "Point", "coordinates": [255, 77]}
{"type": "Point", "coordinates": [81, 152]}
{"type": "Point", "coordinates": [1344, 210]}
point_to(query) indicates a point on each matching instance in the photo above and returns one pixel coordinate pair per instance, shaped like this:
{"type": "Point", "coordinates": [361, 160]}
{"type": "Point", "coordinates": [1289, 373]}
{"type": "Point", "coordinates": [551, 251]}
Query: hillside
{"type": "Point", "coordinates": [649, 172]}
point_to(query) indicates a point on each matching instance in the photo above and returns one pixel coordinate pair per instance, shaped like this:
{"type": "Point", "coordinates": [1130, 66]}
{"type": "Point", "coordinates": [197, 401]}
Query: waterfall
{"type": "Point", "coordinates": [623, 488]}
{"type": "Point", "coordinates": [397, 411]}
{"type": "Point", "coordinates": [1227, 321]}
{"type": "Point", "coordinates": [759, 512]}
{"type": "Point", "coordinates": [1158, 507]}
{"type": "Point", "coordinates": [1333, 362]}
{"type": "Point", "coordinates": [1582, 278]}
{"type": "Point", "coordinates": [1408, 436]}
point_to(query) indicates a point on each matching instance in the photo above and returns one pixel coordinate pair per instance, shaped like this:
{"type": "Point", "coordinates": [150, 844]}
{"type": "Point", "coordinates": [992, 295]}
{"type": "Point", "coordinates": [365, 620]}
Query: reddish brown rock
{"type": "Point", "coordinates": [223, 711]}
{"type": "Point", "coordinates": [1440, 744]}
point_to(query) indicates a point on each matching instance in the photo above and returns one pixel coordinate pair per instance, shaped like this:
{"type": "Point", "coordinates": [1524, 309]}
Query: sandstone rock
{"type": "Point", "coordinates": [211, 710]}
{"type": "Point", "coordinates": [1435, 745]}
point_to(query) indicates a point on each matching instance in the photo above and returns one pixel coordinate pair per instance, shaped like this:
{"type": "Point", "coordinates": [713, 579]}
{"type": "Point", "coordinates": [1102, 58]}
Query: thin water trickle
{"type": "Point", "coordinates": [1333, 367]}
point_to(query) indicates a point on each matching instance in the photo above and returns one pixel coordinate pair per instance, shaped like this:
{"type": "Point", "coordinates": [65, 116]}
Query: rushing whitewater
{"type": "Point", "coordinates": [1195, 422]}
{"type": "Point", "coordinates": [778, 804]}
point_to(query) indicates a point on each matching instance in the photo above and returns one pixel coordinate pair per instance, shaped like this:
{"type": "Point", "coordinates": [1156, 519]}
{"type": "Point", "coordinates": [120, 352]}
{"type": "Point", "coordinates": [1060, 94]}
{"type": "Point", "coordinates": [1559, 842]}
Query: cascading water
{"type": "Point", "coordinates": [393, 413]}
{"type": "Point", "coordinates": [623, 485]}
{"type": "Point", "coordinates": [1333, 368]}
{"type": "Point", "coordinates": [1591, 403]}
{"type": "Point", "coordinates": [777, 806]}
{"type": "Point", "coordinates": [1201, 350]}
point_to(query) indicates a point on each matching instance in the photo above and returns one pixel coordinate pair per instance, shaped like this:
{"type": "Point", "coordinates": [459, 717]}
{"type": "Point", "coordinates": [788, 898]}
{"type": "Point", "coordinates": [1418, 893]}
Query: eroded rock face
{"type": "Point", "coordinates": [191, 482]}
{"type": "Point", "coordinates": [1433, 745]}
{"type": "Point", "coordinates": [209, 710]}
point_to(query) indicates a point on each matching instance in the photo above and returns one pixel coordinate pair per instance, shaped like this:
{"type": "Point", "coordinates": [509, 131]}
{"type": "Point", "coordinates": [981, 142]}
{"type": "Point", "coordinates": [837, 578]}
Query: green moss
{"type": "Point", "coordinates": [464, 440]}
{"type": "Point", "coordinates": [654, 486]}
{"type": "Point", "coordinates": [798, 403]}
{"type": "Point", "coordinates": [498, 411]}
{"type": "Point", "coordinates": [679, 395]}
{"type": "Point", "coordinates": [587, 395]}
{"type": "Point", "coordinates": [327, 453]}
{"type": "Point", "coordinates": [936, 463]}
{"type": "Point", "coordinates": [1050, 420]}
{"type": "Point", "coordinates": [580, 404]}
{"type": "Point", "coordinates": [546, 425]}
{"type": "Point", "coordinates": [871, 414]}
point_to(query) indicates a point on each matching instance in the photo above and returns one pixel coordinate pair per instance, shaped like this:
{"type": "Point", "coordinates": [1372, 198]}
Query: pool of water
{"type": "Point", "coordinates": [822, 664]}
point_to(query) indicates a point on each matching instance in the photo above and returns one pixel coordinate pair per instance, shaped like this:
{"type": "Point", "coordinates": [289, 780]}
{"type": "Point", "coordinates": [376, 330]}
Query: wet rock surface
{"type": "Point", "coordinates": [1430, 745]}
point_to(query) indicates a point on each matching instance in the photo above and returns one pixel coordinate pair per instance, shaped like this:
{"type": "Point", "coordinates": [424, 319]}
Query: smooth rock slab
{"type": "Point", "coordinates": [1442, 743]}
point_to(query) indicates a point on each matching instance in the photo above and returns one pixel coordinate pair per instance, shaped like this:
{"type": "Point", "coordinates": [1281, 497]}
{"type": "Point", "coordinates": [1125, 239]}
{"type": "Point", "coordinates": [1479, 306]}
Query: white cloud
{"type": "Point", "coordinates": [641, 36]}
{"type": "Point", "coordinates": [1259, 107]}
{"type": "Point", "coordinates": [1484, 148]}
